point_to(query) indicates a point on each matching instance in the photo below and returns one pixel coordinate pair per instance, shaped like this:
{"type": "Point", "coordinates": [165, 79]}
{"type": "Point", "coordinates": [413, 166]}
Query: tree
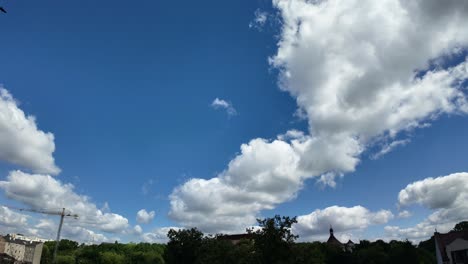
{"type": "Point", "coordinates": [215, 251]}
{"type": "Point", "coordinates": [462, 226]}
{"type": "Point", "coordinates": [112, 258]}
{"type": "Point", "coordinates": [273, 242]}
{"type": "Point", "coordinates": [183, 246]}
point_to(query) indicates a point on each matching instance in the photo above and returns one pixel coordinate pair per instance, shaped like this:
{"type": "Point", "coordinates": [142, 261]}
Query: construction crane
{"type": "Point", "coordinates": [62, 213]}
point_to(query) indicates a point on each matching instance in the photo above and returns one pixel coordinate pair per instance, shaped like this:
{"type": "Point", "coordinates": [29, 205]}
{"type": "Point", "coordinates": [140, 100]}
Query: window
{"type": "Point", "coordinates": [460, 256]}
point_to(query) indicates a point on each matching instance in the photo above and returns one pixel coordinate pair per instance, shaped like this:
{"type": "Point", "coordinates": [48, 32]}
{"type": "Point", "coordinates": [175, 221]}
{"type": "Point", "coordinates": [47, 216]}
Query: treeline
{"type": "Point", "coordinates": [106, 253]}
{"type": "Point", "coordinates": [272, 243]}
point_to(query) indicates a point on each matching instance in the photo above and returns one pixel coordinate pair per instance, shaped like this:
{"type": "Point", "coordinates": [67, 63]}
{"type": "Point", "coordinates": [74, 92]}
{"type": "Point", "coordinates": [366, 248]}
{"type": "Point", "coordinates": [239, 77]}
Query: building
{"type": "Point", "coordinates": [27, 238]}
{"type": "Point", "coordinates": [452, 247]}
{"type": "Point", "coordinates": [235, 239]}
{"type": "Point", "coordinates": [15, 248]}
{"type": "Point", "coordinates": [333, 241]}
{"type": "Point", "coordinates": [2, 244]}
{"type": "Point", "coordinates": [22, 251]}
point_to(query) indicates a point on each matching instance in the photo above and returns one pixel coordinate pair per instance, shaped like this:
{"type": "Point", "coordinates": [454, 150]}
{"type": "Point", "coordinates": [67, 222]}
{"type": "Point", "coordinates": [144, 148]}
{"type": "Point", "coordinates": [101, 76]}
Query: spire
{"type": "Point", "coordinates": [331, 230]}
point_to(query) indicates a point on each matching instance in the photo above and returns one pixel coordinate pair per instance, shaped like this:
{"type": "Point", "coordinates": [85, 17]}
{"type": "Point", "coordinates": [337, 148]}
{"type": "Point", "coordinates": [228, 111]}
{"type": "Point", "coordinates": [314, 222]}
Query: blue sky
{"type": "Point", "coordinates": [127, 91]}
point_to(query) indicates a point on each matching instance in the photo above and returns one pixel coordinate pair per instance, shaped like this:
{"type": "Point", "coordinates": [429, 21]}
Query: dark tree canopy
{"type": "Point", "coordinates": [462, 226]}
{"type": "Point", "coordinates": [274, 240]}
{"type": "Point", "coordinates": [183, 246]}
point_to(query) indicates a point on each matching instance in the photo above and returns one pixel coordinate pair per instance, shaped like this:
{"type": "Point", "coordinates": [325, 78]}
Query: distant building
{"type": "Point", "coordinates": [333, 241]}
{"type": "Point", "coordinates": [22, 251]}
{"type": "Point", "coordinates": [27, 238]}
{"type": "Point", "coordinates": [452, 248]}
{"type": "Point", "coordinates": [235, 239]}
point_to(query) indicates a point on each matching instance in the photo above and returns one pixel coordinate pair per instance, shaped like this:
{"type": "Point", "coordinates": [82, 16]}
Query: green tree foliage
{"type": "Point", "coordinates": [71, 252]}
{"type": "Point", "coordinates": [273, 241]}
{"type": "Point", "coordinates": [111, 257]}
{"type": "Point", "coordinates": [428, 245]}
{"type": "Point", "coordinates": [46, 256]}
{"type": "Point", "coordinates": [65, 259]}
{"type": "Point", "coordinates": [462, 226]}
{"type": "Point", "coordinates": [183, 246]}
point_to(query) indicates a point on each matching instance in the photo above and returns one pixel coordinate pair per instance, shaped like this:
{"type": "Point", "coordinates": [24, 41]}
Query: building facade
{"type": "Point", "coordinates": [22, 251]}
{"type": "Point", "coordinates": [452, 247]}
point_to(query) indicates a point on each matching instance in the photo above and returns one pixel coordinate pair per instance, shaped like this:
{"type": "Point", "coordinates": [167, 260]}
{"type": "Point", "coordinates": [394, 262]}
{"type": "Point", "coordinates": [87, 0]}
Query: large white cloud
{"type": "Point", "coordinates": [446, 196]}
{"type": "Point", "coordinates": [362, 71]}
{"type": "Point", "coordinates": [21, 142]}
{"type": "Point", "coordinates": [263, 175]}
{"type": "Point", "coordinates": [343, 219]}
{"type": "Point", "coordinates": [43, 191]}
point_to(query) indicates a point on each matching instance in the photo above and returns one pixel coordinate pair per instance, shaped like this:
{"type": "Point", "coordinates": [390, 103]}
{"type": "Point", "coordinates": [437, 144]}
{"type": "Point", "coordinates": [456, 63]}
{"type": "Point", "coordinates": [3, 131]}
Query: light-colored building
{"type": "Point", "coordinates": [2, 244]}
{"type": "Point", "coordinates": [452, 248]}
{"type": "Point", "coordinates": [27, 238]}
{"type": "Point", "coordinates": [15, 248]}
{"type": "Point", "coordinates": [22, 251]}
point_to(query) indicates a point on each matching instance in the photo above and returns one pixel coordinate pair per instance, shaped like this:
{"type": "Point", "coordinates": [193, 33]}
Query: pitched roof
{"type": "Point", "coordinates": [333, 241]}
{"type": "Point", "coordinates": [443, 240]}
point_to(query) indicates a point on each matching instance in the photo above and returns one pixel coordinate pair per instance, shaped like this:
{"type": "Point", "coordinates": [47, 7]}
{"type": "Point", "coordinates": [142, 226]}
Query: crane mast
{"type": "Point", "coordinates": [62, 215]}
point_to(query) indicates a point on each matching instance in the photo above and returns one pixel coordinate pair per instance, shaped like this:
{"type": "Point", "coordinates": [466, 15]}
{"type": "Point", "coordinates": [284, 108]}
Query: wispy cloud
{"type": "Point", "coordinates": [389, 147]}
{"type": "Point", "coordinates": [259, 21]}
{"type": "Point", "coordinates": [223, 104]}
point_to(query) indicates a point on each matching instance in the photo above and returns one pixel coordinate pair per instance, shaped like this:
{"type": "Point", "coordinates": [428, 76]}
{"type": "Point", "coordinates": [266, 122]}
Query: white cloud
{"type": "Point", "coordinates": [315, 225]}
{"type": "Point", "coordinates": [138, 230]}
{"type": "Point", "coordinates": [222, 104]}
{"type": "Point", "coordinates": [47, 228]}
{"type": "Point", "coordinates": [389, 147]}
{"type": "Point", "coordinates": [263, 175]}
{"type": "Point", "coordinates": [404, 214]}
{"type": "Point", "coordinates": [260, 19]}
{"type": "Point", "coordinates": [43, 191]}
{"type": "Point", "coordinates": [417, 233]}
{"type": "Point", "coordinates": [21, 142]}
{"type": "Point", "coordinates": [144, 216]}
{"type": "Point", "coordinates": [10, 218]}
{"type": "Point", "coordinates": [360, 71]}
{"type": "Point", "coordinates": [446, 196]}
{"type": "Point", "coordinates": [159, 235]}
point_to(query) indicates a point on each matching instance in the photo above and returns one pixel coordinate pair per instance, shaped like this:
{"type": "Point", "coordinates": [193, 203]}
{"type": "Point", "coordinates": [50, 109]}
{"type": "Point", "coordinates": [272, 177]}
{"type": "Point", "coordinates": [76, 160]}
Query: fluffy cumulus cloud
{"type": "Point", "coordinates": [11, 218]}
{"type": "Point", "coordinates": [144, 216]}
{"type": "Point", "coordinates": [263, 175]}
{"type": "Point", "coordinates": [446, 196]}
{"type": "Point", "coordinates": [138, 230]}
{"type": "Point", "coordinates": [47, 228]}
{"type": "Point", "coordinates": [343, 219]}
{"type": "Point", "coordinates": [43, 191]}
{"type": "Point", "coordinates": [21, 142]}
{"type": "Point", "coordinates": [363, 72]}
{"type": "Point", "coordinates": [223, 104]}
{"type": "Point", "coordinates": [404, 214]}
{"type": "Point", "coordinates": [158, 235]}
